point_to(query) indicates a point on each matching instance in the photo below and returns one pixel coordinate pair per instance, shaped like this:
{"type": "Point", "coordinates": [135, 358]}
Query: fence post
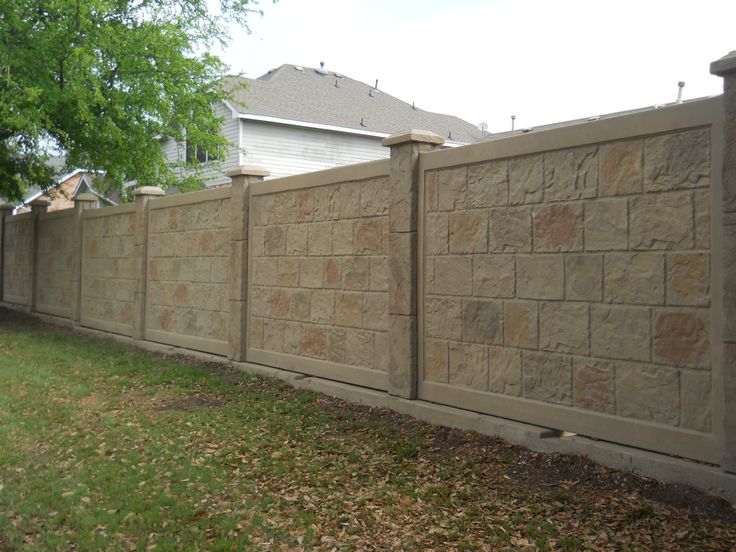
{"type": "Point", "coordinates": [242, 177]}
{"type": "Point", "coordinates": [403, 215]}
{"type": "Point", "coordinates": [38, 206]}
{"type": "Point", "coordinates": [5, 211]}
{"type": "Point", "coordinates": [140, 255]}
{"type": "Point", "coordinates": [82, 203]}
{"type": "Point", "coordinates": [725, 245]}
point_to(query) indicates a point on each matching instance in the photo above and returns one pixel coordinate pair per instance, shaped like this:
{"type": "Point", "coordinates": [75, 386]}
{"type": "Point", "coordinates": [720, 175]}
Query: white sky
{"type": "Point", "coordinates": [484, 60]}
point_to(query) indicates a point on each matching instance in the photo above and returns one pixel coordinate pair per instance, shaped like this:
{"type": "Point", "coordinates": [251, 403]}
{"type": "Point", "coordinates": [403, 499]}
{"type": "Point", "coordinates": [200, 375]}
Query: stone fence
{"type": "Point", "coordinates": [580, 279]}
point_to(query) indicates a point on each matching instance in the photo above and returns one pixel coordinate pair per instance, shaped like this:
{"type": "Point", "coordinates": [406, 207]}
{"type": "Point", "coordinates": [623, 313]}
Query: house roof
{"type": "Point", "coordinates": [323, 97]}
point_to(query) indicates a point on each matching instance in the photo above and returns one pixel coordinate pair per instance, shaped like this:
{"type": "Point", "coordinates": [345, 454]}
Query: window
{"type": "Point", "coordinates": [200, 155]}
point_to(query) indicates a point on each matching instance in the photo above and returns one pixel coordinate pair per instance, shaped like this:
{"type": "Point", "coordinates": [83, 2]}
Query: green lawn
{"type": "Point", "coordinates": [104, 448]}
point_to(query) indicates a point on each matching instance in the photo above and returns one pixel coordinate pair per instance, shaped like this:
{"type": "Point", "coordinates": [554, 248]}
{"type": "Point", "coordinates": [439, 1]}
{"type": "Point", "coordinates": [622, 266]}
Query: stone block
{"type": "Point", "coordinates": [606, 225]}
{"type": "Point", "coordinates": [305, 205]}
{"type": "Point", "coordinates": [273, 335]}
{"type": "Point", "coordinates": [593, 385]}
{"type": "Point", "coordinates": [442, 318]}
{"type": "Point", "coordinates": [336, 345]}
{"type": "Point", "coordinates": [350, 200]}
{"type": "Point", "coordinates": [431, 191]}
{"type": "Point", "coordinates": [482, 322]}
{"type": "Point", "coordinates": [493, 276]}
{"type": "Point", "coordinates": [402, 273]}
{"type": "Point", "coordinates": [379, 273]}
{"type": "Point", "coordinates": [403, 350]}
{"type": "Point", "coordinates": [701, 200]}
{"type": "Point", "coordinates": [634, 278]}
{"type": "Point", "coordinates": [510, 230]}
{"type": "Point", "coordinates": [521, 321]}
{"type": "Point", "coordinates": [319, 238]}
{"type": "Point", "coordinates": [260, 301]}
{"type": "Point", "coordinates": [468, 366]}
{"type": "Point", "coordinates": [381, 360]}
{"type": "Point", "coordinates": [292, 338]}
{"type": "Point", "coordinates": [301, 304]}
{"type": "Point", "coordinates": [540, 277]}
{"type": "Point", "coordinates": [283, 210]}
{"type": "Point", "coordinates": [452, 189]}
{"type": "Point", "coordinates": [504, 371]}
{"type": "Point", "coordinates": [375, 311]}
{"type": "Point", "coordinates": [368, 237]}
{"type": "Point", "coordinates": [287, 272]}
{"type": "Point", "coordinates": [526, 180]}
{"type": "Point", "coordinates": [729, 277]}
{"type": "Point", "coordinates": [563, 327]}
{"type": "Point", "coordinates": [547, 377]}
{"type": "Point", "coordinates": [571, 174]}
{"type": "Point", "coordinates": [678, 160]}
{"type": "Point", "coordinates": [264, 271]}
{"type": "Point", "coordinates": [333, 273]}
{"type": "Point", "coordinates": [648, 392]}
{"type": "Point", "coordinates": [359, 348]}
{"type": "Point", "coordinates": [257, 241]}
{"type": "Point", "coordinates": [661, 221]}
{"type": "Point", "coordinates": [325, 203]}
{"type": "Point", "coordinates": [274, 240]}
{"type": "Point", "coordinates": [314, 341]}
{"type": "Point", "coordinates": [322, 307]}
{"type": "Point", "coordinates": [355, 273]}
{"type": "Point", "coordinates": [436, 234]}
{"type": "Point", "coordinates": [349, 309]}
{"type": "Point", "coordinates": [296, 240]}
{"type": "Point", "coordinates": [558, 227]}
{"type": "Point", "coordinates": [488, 184]}
{"type": "Point", "coordinates": [583, 277]}
{"type": "Point", "coordinates": [342, 232]}
{"type": "Point", "coordinates": [696, 400]}
{"type": "Point", "coordinates": [468, 232]}
{"type": "Point", "coordinates": [621, 168]}
{"type": "Point", "coordinates": [620, 332]}
{"type": "Point", "coordinates": [374, 198]}
{"type": "Point", "coordinates": [436, 361]}
{"type": "Point", "coordinates": [280, 303]}
{"type": "Point", "coordinates": [682, 337]}
{"type": "Point", "coordinates": [311, 272]}
{"type": "Point", "coordinates": [255, 330]}
{"type": "Point", "coordinates": [453, 275]}
{"type": "Point", "coordinates": [688, 279]}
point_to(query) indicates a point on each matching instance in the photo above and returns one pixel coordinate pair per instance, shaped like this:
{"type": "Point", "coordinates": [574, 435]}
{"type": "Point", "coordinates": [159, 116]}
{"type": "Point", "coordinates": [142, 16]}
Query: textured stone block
{"type": "Point", "coordinates": [482, 322]}
{"type": "Point", "coordinates": [375, 311]}
{"type": "Point", "coordinates": [696, 400]}
{"type": "Point", "coordinates": [314, 341]}
{"type": "Point", "coordinates": [301, 304]}
{"type": "Point", "coordinates": [359, 348]}
{"type": "Point", "coordinates": [540, 277]}
{"type": "Point", "coordinates": [488, 184]}
{"type": "Point", "coordinates": [342, 233]}
{"type": "Point", "coordinates": [583, 277]}
{"type": "Point", "coordinates": [319, 238]}
{"type": "Point", "coordinates": [558, 227]}
{"type": "Point", "coordinates": [452, 189]}
{"type": "Point", "coordinates": [280, 303]}
{"type": "Point", "coordinates": [571, 174]}
{"type": "Point", "coordinates": [493, 276]}
{"type": "Point", "coordinates": [325, 203]}
{"type": "Point", "coordinates": [620, 332]}
{"type": "Point", "coordinates": [701, 200]}
{"type": "Point", "coordinates": [355, 273]}
{"type": "Point", "coordinates": [336, 344]}
{"type": "Point", "coordinates": [469, 366]}
{"type": "Point", "coordinates": [332, 273]}
{"type": "Point", "coordinates": [547, 377]}
{"type": "Point", "coordinates": [296, 240]}
{"type": "Point", "coordinates": [368, 237]}
{"type": "Point", "coordinates": [593, 385]}
{"type": "Point", "coordinates": [521, 321]}
{"type": "Point", "coordinates": [287, 272]}
{"type": "Point", "coordinates": [688, 279]}
{"type": "Point", "coordinates": [403, 351]}
{"type": "Point", "coordinates": [453, 275]}
{"type": "Point", "coordinates": [260, 301]}
{"type": "Point", "coordinates": [273, 335]}
{"type": "Point", "coordinates": [510, 230]}
{"type": "Point", "coordinates": [305, 205]}
{"type": "Point", "coordinates": [292, 338]}
{"type": "Point", "coordinates": [674, 161]}
{"type": "Point", "coordinates": [504, 371]}
{"type": "Point", "coordinates": [349, 309]}
{"type": "Point", "coordinates": [634, 278]}
{"type": "Point", "coordinates": [264, 271]}
{"type": "Point", "coordinates": [661, 221]}
{"type": "Point", "coordinates": [274, 240]}
{"type": "Point", "coordinates": [374, 198]}
{"type": "Point", "coordinates": [381, 360]}
{"type": "Point", "coordinates": [648, 392]}
{"type": "Point", "coordinates": [442, 318]}
{"type": "Point", "coordinates": [436, 234]}
{"type": "Point", "coordinates": [283, 210]}
{"type": "Point", "coordinates": [606, 225]}
{"type": "Point", "coordinates": [350, 200]}
{"type": "Point", "coordinates": [311, 273]}
{"type": "Point", "coordinates": [468, 232]}
{"type": "Point", "coordinates": [431, 191]}
{"type": "Point", "coordinates": [255, 329]}
{"type": "Point", "coordinates": [402, 273]}
{"type": "Point", "coordinates": [563, 327]}
{"type": "Point", "coordinates": [682, 338]}
{"type": "Point", "coordinates": [436, 361]}
{"type": "Point", "coordinates": [379, 273]}
{"type": "Point", "coordinates": [621, 168]}
{"type": "Point", "coordinates": [322, 307]}
{"type": "Point", "coordinates": [526, 180]}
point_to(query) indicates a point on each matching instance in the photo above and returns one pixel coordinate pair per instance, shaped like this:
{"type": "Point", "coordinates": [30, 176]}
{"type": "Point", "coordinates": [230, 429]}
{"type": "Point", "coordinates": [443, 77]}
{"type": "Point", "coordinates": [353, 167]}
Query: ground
{"type": "Point", "coordinates": [103, 447]}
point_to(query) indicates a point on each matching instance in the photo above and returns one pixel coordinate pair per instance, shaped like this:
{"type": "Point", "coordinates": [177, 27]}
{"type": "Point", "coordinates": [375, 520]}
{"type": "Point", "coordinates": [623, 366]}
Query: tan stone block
{"type": "Point", "coordinates": [521, 324]}
{"type": "Point", "coordinates": [469, 366]}
{"type": "Point", "coordinates": [368, 237]}
{"type": "Point", "coordinates": [296, 240]}
{"type": "Point", "coordinates": [349, 309]}
{"type": "Point", "coordinates": [273, 335]}
{"type": "Point", "coordinates": [359, 348]}
{"type": "Point", "coordinates": [702, 218]}
{"type": "Point", "coordinates": [682, 338]}
{"type": "Point", "coordinates": [504, 371]}
{"type": "Point", "coordinates": [547, 377]}
{"type": "Point", "coordinates": [452, 187]}
{"type": "Point", "coordinates": [403, 351]}
{"type": "Point", "coordinates": [379, 273]}
{"type": "Point", "coordinates": [583, 277]}
{"type": "Point", "coordinates": [255, 328]}
{"type": "Point", "coordinates": [374, 198]}
{"type": "Point", "coordinates": [314, 341]}
{"type": "Point", "coordinates": [571, 174]}
{"type": "Point", "coordinates": [326, 204]}
{"type": "Point", "coordinates": [688, 279]}
{"type": "Point", "coordinates": [468, 232]}
{"type": "Point", "coordinates": [402, 273]}
{"type": "Point", "coordinates": [494, 276]}
{"type": "Point", "coordinates": [442, 318]}
{"type": "Point", "coordinates": [283, 210]}
{"type": "Point", "coordinates": [257, 240]}
{"type": "Point", "coordinates": [453, 275]}
{"type": "Point", "coordinates": [333, 273]}
{"type": "Point", "coordinates": [593, 385]}
{"type": "Point", "coordinates": [301, 304]}
{"type": "Point", "coordinates": [634, 278]}
{"type": "Point", "coordinates": [563, 327]}
{"type": "Point", "coordinates": [526, 180]}
{"type": "Point", "coordinates": [431, 191]}
{"type": "Point", "coordinates": [355, 273]}
{"type": "Point", "coordinates": [280, 303]}
{"type": "Point", "coordinates": [621, 168]}
{"type": "Point", "coordinates": [343, 237]}
{"type": "Point", "coordinates": [274, 240]}
{"type": "Point", "coordinates": [260, 301]}
{"type": "Point", "coordinates": [319, 238]}
{"type": "Point", "coordinates": [488, 184]}
{"type": "Point", "coordinates": [350, 200]}
{"type": "Point", "coordinates": [381, 361]}
{"type": "Point", "coordinates": [678, 160]}
{"type": "Point", "coordinates": [510, 230]}
{"type": "Point", "coordinates": [311, 272]}
{"type": "Point", "coordinates": [436, 361]}
{"type": "Point", "coordinates": [661, 221]}
{"type": "Point", "coordinates": [648, 392]}
{"type": "Point", "coordinates": [436, 234]}
{"type": "Point", "coordinates": [304, 205]}
{"type": "Point", "coordinates": [482, 322]}
{"type": "Point", "coordinates": [729, 278]}
{"type": "Point", "coordinates": [322, 307]}
{"type": "Point", "coordinates": [375, 311]}
{"type": "Point", "coordinates": [558, 227]}
{"type": "Point", "coordinates": [287, 272]}
{"type": "Point", "coordinates": [336, 345]}
{"type": "Point", "coordinates": [695, 388]}
{"type": "Point", "coordinates": [292, 338]}
{"type": "Point", "coordinates": [620, 332]}
{"type": "Point", "coordinates": [606, 225]}
{"type": "Point", "coordinates": [540, 277]}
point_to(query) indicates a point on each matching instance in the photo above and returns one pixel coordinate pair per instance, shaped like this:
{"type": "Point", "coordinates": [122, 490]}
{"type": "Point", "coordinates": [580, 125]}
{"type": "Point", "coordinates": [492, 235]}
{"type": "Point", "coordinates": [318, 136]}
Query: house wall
{"type": "Point", "coordinates": [55, 257]}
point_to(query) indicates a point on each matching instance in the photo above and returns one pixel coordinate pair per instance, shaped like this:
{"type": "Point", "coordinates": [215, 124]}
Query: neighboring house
{"type": "Point", "coordinates": [62, 194]}
{"type": "Point", "coordinates": [299, 119]}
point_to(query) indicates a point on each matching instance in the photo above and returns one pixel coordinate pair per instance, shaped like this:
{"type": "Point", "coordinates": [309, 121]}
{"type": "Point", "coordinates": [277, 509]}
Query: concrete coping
{"type": "Point", "coordinates": [422, 136]}
{"type": "Point", "coordinates": [725, 65]}
{"type": "Point", "coordinates": [248, 170]}
{"type": "Point", "coordinates": [40, 202]}
{"type": "Point", "coordinates": [148, 190]}
{"type": "Point", "coordinates": [6, 206]}
{"type": "Point", "coordinates": [86, 197]}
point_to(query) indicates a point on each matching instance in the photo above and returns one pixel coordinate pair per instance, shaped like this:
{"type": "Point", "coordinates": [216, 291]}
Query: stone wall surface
{"type": "Point", "coordinates": [55, 256]}
{"type": "Point", "coordinates": [578, 277]}
{"type": "Point", "coordinates": [18, 260]}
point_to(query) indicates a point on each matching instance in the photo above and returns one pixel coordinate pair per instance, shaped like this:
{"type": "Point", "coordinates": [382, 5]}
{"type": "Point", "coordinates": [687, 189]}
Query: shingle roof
{"type": "Point", "coordinates": [328, 98]}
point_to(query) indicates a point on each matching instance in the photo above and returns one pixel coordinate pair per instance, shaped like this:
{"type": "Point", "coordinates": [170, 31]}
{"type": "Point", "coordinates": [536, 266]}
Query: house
{"type": "Point", "coordinates": [298, 119]}
{"type": "Point", "coordinates": [62, 194]}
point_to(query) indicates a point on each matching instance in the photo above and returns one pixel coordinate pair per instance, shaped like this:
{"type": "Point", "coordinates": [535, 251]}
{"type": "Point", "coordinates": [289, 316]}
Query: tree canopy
{"type": "Point", "coordinates": [101, 81]}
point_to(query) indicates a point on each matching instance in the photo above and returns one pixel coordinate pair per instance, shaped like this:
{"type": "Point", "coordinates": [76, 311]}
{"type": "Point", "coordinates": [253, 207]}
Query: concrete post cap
{"type": "Point", "coordinates": [725, 65]}
{"type": "Point", "coordinates": [85, 198]}
{"type": "Point", "coordinates": [148, 190]}
{"type": "Point", "coordinates": [248, 170]}
{"type": "Point", "coordinates": [4, 206]}
{"type": "Point", "coordinates": [40, 202]}
{"type": "Point", "coordinates": [421, 136]}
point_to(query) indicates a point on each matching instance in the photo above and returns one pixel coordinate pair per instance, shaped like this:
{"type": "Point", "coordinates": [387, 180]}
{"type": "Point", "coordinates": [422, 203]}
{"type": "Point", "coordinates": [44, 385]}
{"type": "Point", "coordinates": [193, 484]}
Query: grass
{"type": "Point", "coordinates": [104, 448]}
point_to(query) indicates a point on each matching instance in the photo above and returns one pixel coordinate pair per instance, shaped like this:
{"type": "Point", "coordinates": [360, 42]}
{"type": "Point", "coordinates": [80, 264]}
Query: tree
{"type": "Point", "coordinates": [100, 81]}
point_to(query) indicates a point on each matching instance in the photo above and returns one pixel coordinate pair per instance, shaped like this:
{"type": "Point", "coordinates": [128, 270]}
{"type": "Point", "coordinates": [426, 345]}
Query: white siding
{"type": "Point", "coordinates": [286, 150]}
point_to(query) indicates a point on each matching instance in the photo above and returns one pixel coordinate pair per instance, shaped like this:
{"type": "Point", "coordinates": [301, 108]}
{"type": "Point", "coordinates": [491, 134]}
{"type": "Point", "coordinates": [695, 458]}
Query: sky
{"type": "Point", "coordinates": [485, 60]}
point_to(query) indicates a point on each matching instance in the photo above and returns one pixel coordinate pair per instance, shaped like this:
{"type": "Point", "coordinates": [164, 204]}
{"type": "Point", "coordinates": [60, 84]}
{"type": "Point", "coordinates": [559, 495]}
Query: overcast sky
{"type": "Point", "coordinates": [484, 60]}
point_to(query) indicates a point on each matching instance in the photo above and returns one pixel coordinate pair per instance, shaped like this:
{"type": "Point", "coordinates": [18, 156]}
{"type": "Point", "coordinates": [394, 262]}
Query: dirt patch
{"type": "Point", "coordinates": [195, 402]}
